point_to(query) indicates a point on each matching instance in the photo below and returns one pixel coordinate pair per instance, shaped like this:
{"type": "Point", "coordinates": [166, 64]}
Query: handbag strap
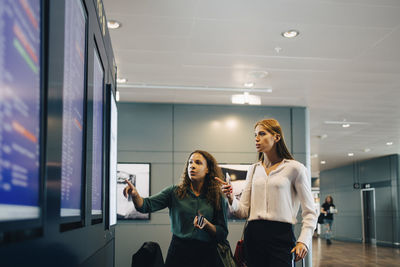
{"type": "Point", "coordinates": [247, 220]}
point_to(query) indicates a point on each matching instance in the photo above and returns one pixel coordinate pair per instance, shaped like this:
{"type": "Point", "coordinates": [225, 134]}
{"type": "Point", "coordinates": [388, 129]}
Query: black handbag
{"type": "Point", "coordinates": [321, 218]}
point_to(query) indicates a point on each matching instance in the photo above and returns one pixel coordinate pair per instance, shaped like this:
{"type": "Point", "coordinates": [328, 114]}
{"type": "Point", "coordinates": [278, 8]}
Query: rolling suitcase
{"type": "Point", "coordinates": [303, 262]}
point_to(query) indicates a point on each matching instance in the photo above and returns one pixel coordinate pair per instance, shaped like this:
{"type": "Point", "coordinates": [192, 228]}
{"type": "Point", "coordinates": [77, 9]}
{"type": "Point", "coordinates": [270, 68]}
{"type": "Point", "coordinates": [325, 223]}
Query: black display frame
{"type": "Point", "coordinates": [109, 90]}
{"type": "Point", "coordinates": [72, 222]}
{"type": "Point", "coordinates": [48, 245]}
{"type": "Point", "coordinates": [98, 218]}
{"type": "Point", "coordinates": [17, 230]}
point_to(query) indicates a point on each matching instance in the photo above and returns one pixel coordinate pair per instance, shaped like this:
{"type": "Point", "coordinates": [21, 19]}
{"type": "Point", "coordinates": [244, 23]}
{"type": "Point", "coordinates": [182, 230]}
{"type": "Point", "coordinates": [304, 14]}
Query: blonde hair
{"type": "Point", "coordinates": [274, 128]}
{"type": "Point", "coordinates": [211, 187]}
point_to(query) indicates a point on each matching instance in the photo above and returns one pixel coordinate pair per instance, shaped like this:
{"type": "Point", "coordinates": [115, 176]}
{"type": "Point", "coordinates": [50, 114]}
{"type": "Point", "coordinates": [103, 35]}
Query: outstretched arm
{"type": "Point", "coordinates": [130, 189]}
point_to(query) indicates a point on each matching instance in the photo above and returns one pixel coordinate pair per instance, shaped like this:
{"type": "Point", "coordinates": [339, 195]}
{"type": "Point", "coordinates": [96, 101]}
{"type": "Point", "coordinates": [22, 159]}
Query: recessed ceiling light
{"type": "Point", "coordinates": [290, 33]}
{"type": "Point", "coordinates": [389, 143]}
{"type": "Point", "coordinates": [121, 80]}
{"type": "Point", "coordinates": [346, 125]}
{"type": "Point", "coordinates": [246, 98]}
{"type": "Point", "coordinates": [113, 24]}
{"type": "Point", "coordinates": [249, 84]}
{"type": "Point", "coordinates": [367, 149]}
{"type": "Point", "coordinates": [323, 162]}
{"type": "Point", "coordinates": [350, 154]}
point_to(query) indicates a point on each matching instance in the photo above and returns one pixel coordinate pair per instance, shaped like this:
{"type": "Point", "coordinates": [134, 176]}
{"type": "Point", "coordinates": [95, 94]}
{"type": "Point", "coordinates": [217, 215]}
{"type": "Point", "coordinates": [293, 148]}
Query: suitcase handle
{"type": "Point", "coordinates": [303, 262]}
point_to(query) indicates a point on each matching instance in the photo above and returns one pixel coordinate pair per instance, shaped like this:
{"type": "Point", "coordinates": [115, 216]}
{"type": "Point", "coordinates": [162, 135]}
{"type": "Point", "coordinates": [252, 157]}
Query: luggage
{"type": "Point", "coordinates": [294, 264]}
{"type": "Point", "coordinates": [149, 255]}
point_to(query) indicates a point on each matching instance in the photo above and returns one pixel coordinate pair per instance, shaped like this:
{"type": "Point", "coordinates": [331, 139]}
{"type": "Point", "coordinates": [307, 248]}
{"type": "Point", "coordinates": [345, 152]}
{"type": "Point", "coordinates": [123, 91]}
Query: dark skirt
{"type": "Point", "coordinates": [191, 253]}
{"type": "Point", "coordinates": [268, 243]}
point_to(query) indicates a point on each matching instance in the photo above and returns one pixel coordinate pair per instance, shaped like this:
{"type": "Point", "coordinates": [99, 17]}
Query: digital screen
{"type": "Point", "coordinates": [97, 162]}
{"type": "Point", "coordinates": [73, 109]}
{"type": "Point", "coordinates": [113, 161]}
{"type": "Point", "coordinates": [20, 101]}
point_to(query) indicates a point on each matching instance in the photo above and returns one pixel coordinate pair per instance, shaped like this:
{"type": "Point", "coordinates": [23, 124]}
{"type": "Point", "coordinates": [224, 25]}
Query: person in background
{"type": "Point", "coordinates": [328, 209]}
{"type": "Point", "coordinates": [197, 210]}
{"type": "Point", "coordinates": [275, 187]}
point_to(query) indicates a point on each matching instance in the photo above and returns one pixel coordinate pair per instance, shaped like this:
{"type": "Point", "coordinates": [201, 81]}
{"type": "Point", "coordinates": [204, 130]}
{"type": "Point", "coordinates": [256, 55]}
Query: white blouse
{"type": "Point", "coordinates": [277, 197]}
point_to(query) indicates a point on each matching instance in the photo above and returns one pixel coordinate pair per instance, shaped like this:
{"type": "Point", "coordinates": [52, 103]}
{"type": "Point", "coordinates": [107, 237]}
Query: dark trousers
{"type": "Point", "coordinates": [268, 244]}
{"type": "Point", "coordinates": [191, 253]}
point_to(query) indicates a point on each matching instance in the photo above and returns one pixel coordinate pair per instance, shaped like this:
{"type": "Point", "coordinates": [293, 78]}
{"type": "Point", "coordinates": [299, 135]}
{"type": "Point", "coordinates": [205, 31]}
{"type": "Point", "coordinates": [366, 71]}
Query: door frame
{"type": "Point", "coordinates": [372, 240]}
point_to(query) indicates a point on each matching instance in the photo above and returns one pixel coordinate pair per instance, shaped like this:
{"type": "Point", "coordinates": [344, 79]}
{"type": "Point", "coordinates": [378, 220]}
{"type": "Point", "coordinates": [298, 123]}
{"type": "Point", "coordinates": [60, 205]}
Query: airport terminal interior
{"type": "Point", "coordinates": [98, 93]}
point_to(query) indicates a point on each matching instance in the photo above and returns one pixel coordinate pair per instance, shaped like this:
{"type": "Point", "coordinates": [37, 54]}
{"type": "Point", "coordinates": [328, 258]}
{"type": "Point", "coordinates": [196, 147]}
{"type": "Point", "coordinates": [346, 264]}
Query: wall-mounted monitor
{"type": "Point", "coordinates": [113, 161]}
{"type": "Point", "coordinates": [98, 115]}
{"type": "Point", "coordinates": [20, 110]}
{"type": "Point", "coordinates": [73, 130]}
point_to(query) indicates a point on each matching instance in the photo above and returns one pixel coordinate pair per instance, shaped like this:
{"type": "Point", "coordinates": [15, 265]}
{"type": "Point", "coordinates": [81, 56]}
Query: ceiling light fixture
{"type": "Point", "coordinates": [113, 24]}
{"type": "Point", "coordinates": [346, 122]}
{"type": "Point", "coordinates": [367, 150]}
{"type": "Point", "coordinates": [121, 80]}
{"type": "Point", "coordinates": [248, 84]}
{"type": "Point", "coordinates": [389, 143]}
{"type": "Point", "coordinates": [290, 33]}
{"type": "Point", "coordinates": [346, 125]}
{"type": "Point", "coordinates": [259, 74]}
{"type": "Point", "coordinates": [323, 162]}
{"type": "Point", "coordinates": [195, 88]}
{"type": "Point", "coordinates": [350, 154]}
{"type": "Point", "coordinates": [246, 98]}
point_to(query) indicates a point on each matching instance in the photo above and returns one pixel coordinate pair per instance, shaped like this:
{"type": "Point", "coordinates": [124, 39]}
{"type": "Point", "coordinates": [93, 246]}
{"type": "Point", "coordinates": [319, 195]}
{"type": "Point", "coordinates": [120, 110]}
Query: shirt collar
{"type": "Point", "coordinates": [284, 161]}
{"type": "Point", "coordinates": [202, 194]}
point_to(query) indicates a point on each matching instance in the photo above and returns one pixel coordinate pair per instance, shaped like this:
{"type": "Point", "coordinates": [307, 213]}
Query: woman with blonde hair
{"type": "Point", "coordinates": [196, 210]}
{"type": "Point", "coordinates": [275, 188]}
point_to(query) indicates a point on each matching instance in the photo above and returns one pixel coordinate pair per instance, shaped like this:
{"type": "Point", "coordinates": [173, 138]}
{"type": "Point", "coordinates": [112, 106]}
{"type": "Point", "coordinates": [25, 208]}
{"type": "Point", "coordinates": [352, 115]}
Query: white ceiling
{"type": "Point", "coordinates": [344, 65]}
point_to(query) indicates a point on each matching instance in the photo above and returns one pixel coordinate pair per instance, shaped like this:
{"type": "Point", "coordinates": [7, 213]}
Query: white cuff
{"type": "Point", "coordinates": [235, 204]}
{"type": "Point", "coordinates": [306, 236]}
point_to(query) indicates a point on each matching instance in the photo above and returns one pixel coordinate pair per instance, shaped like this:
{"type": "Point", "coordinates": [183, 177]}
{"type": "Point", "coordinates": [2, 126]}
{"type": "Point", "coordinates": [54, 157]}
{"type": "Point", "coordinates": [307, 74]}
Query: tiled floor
{"type": "Point", "coordinates": [348, 254]}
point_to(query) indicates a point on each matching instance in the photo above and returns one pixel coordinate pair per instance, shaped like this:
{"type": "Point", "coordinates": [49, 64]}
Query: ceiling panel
{"type": "Point", "coordinates": [170, 8]}
{"type": "Point", "coordinates": [344, 64]}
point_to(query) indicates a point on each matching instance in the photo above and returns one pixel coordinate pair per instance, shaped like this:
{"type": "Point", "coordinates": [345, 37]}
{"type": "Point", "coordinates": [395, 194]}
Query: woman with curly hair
{"type": "Point", "coordinates": [196, 209]}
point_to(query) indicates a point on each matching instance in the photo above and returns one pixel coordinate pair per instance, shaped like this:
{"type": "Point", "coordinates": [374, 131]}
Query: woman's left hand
{"type": "Point", "coordinates": [196, 220]}
{"type": "Point", "coordinates": [300, 250]}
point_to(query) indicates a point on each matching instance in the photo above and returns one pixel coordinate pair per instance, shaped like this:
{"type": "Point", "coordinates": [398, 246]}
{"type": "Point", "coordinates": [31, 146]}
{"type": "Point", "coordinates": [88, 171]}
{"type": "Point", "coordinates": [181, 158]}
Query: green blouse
{"type": "Point", "coordinates": [183, 211]}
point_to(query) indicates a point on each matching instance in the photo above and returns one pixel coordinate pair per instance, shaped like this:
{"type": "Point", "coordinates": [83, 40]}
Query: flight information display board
{"type": "Point", "coordinates": [97, 162]}
{"type": "Point", "coordinates": [113, 161]}
{"type": "Point", "coordinates": [73, 109]}
{"type": "Point", "coordinates": [20, 109]}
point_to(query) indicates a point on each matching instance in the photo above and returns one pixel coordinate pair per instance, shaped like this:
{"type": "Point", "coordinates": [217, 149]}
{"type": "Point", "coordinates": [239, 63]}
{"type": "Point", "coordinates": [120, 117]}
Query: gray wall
{"type": "Point", "coordinates": [381, 174]}
{"type": "Point", "coordinates": [165, 134]}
